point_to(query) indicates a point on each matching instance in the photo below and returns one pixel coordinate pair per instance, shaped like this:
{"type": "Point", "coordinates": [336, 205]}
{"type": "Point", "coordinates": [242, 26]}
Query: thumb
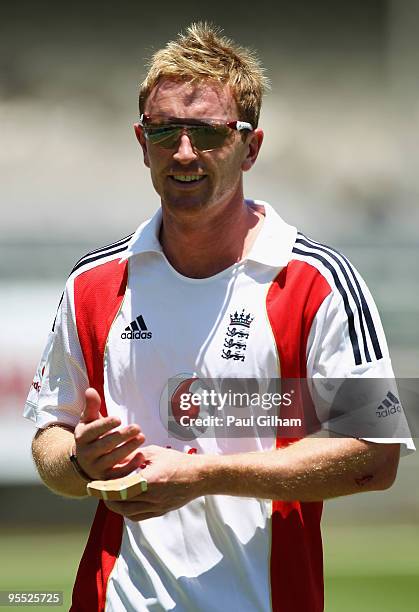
{"type": "Point", "coordinates": [91, 411]}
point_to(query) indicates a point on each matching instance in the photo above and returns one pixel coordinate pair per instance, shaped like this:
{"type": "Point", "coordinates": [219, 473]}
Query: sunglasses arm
{"type": "Point", "coordinates": [143, 119]}
{"type": "Point", "coordinates": [240, 126]}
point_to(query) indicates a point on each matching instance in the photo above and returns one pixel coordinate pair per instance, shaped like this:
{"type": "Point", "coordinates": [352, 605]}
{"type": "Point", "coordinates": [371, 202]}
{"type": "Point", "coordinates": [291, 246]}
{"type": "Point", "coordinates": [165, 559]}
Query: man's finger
{"type": "Point", "coordinates": [120, 453]}
{"type": "Point", "coordinates": [109, 441]}
{"type": "Point", "coordinates": [119, 471]}
{"type": "Point", "coordinates": [92, 431]}
{"type": "Point", "coordinates": [91, 411]}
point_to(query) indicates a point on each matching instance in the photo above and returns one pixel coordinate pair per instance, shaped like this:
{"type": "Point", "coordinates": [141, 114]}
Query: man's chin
{"type": "Point", "coordinates": [190, 204]}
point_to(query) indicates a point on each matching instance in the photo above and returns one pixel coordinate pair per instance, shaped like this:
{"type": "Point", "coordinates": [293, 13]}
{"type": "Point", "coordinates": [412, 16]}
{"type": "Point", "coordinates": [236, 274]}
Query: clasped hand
{"type": "Point", "coordinates": [104, 452]}
{"type": "Point", "coordinates": [173, 480]}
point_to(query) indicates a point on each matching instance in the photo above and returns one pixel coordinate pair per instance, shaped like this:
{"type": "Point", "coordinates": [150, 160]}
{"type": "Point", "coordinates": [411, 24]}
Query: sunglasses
{"type": "Point", "coordinates": [204, 135]}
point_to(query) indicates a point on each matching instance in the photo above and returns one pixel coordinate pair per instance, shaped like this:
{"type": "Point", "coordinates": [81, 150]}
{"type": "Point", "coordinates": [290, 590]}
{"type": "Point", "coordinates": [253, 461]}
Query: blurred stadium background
{"type": "Point", "coordinates": [339, 160]}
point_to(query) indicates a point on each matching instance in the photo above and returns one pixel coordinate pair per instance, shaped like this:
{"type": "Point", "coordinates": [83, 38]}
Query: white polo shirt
{"type": "Point", "coordinates": [127, 323]}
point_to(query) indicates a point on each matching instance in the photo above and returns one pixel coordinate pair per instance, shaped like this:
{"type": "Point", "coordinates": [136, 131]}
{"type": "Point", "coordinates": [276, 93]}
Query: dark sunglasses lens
{"type": "Point", "coordinates": [203, 137]}
{"type": "Point", "coordinates": [164, 136]}
{"type": "Point", "coordinates": [207, 137]}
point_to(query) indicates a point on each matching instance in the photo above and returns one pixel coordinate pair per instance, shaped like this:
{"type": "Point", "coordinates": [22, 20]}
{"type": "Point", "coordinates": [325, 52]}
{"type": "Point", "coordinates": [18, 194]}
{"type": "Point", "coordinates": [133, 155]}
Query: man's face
{"type": "Point", "coordinates": [216, 174]}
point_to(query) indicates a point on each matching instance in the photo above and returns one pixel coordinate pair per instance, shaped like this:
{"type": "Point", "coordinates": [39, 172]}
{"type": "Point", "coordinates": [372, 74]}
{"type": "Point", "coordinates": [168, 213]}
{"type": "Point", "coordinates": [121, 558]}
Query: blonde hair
{"type": "Point", "coordinates": [202, 52]}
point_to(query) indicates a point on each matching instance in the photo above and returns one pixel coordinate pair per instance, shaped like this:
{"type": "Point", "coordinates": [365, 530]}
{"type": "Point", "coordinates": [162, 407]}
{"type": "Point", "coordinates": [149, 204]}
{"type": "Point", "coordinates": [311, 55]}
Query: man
{"type": "Point", "coordinates": [220, 528]}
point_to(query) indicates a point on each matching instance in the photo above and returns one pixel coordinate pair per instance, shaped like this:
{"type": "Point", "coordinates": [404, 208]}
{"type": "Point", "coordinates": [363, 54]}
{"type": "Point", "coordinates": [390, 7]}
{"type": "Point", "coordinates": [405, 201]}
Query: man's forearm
{"type": "Point", "coordinates": [309, 470]}
{"type": "Point", "coordinates": [51, 450]}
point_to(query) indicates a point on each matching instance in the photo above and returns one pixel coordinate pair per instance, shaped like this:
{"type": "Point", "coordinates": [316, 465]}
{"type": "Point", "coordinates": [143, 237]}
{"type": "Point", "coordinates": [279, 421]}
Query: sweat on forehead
{"type": "Point", "coordinates": [203, 98]}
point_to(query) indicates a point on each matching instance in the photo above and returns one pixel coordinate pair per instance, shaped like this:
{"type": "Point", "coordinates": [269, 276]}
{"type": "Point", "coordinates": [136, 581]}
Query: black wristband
{"type": "Point", "coordinates": [79, 469]}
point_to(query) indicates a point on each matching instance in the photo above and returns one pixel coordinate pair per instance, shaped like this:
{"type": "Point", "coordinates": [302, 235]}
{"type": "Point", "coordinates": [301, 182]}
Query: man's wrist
{"type": "Point", "coordinates": [77, 467]}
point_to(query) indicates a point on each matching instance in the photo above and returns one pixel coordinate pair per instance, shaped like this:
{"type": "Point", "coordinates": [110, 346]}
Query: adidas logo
{"type": "Point", "coordinates": [389, 405]}
{"type": "Point", "coordinates": [137, 330]}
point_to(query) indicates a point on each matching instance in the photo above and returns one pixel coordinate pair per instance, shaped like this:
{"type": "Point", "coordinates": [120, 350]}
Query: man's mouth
{"type": "Point", "coordinates": [188, 178]}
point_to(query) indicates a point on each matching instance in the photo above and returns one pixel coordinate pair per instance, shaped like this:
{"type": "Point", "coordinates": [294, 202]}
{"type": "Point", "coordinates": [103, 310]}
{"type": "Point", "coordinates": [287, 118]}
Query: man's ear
{"type": "Point", "coordinates": [143, 142]}
{"type": "Point", "coordinates": [253, 144]}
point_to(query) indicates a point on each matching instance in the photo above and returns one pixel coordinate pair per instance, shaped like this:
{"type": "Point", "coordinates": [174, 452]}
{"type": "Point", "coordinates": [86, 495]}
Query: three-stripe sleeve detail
{"type": "Point", "coordinates": [361, 310]}
{"type": "Point", "coordinates": [107, 251]}
{"type": "Point", "coordinates": [110, 249]}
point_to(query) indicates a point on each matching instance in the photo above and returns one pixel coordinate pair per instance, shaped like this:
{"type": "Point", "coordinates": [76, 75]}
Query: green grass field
{"type": "Point", "coordinates": [368, 569]}
{"type": "Point", "coordinates": [372, 569]}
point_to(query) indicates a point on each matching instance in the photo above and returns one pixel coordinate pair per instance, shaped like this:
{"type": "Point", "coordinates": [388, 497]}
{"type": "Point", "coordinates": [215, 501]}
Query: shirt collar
{"type": "Point", "coordinates": [275, 241]}
{"type": "Point", "coordinates": [272, 247]}
{"type": "Point", "coordinates": [146, 238]}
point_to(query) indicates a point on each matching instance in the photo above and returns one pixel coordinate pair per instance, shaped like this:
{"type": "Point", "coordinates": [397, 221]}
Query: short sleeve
{"type": "Point", "coordinates": [57, 391]}
{"type": "Point", "coordinates": [347, 343]}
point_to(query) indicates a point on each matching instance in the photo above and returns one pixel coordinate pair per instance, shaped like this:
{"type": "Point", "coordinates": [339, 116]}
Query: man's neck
{"type": "Point", "coordinates": [203, 246]}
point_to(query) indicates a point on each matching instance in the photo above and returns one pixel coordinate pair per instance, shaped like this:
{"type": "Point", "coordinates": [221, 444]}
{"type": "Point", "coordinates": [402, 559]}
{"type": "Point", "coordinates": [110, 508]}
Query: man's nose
{"type": "Point", "coordinates": [185, 152]}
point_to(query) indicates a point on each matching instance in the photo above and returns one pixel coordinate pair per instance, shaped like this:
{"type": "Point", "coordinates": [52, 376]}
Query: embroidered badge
{"type": "Point", "coordinates": [236, 336]}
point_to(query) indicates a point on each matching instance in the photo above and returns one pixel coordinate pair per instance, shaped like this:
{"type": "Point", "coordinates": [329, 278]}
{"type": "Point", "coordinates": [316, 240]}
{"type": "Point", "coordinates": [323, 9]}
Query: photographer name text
{"type": "Point", "coordinates": [233, 421]}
